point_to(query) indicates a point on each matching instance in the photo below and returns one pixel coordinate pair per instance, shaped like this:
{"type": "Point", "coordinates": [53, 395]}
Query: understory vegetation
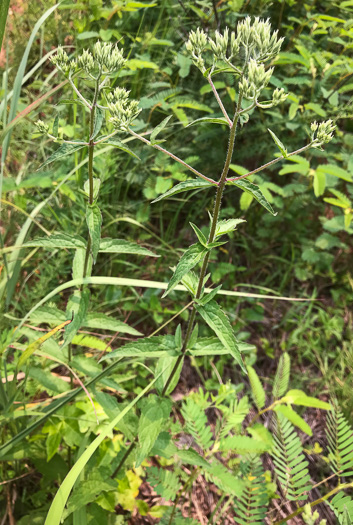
{"type": "Point", "coordinates": [175, 262]}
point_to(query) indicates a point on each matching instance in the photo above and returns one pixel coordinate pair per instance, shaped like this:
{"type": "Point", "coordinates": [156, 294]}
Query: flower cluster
{"type": "Point", "coordinates": [196, 45]}
{"type": "Point", "coordinates": [256, 80]}
{"type": "Point", "coordinates": [278, 96]}
{"type": "Point", "coordinates": [257, 40]}
{"type": "Point", "coordinates": [322, 133]}
{"type": "Point", "coordinates": [62, 61]}
{"type": "Point", "coordinates": [106, 58]}
{"type": "Point", "coordinates": [42, 127]}
{"type": "Point", "coordinates": [122, 109]}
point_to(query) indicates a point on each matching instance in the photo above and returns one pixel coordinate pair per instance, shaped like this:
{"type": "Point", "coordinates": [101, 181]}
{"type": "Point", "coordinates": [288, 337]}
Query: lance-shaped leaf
{"type": "Point", "coordinates": [100, 321]}
{"type": "Point", "coordinates": [38, 343]}
{"type": "Point", "coordinates": [185, 186]}
{"type": "Point", "coordinates": [58, 240]}
{"type": "Point", "coordinates": [63, 151]}
{"type": "Point", "coordinates": [298, 397]}
{"type": "Point", "coordinates": [96, 186]}
{"type": "Point", "coordinates": [216, 319]}
{"type": "Point", "coordinates": [254, 190]}
{"type": "Point", "coordinates": [165, 365]}
{"type": "Point", "coordinates": [158, 129]}
{"type": "Point", "coordinates": [202, 239]}
{"type": "Point", "coordinates": [113, 141]}
{"type": "Point", "coordinates": [294, 418]}
{"type": "Point", "coordinates": [257, 389]}
{"type": "Point", "coordinates": [213, 346]}
{"type": "Point", "coordinates": [209, 120]}
{"type": "Point", "coordinates": [190, 258]}
{"type": "Point", "coordinates": [153, 416]}
{"type": "Point", "coordinates": [94, 223]}
{"type": "Point", "coordinates": [98, 121]}
{"type": "Point", "coordinates": [227, 226]}
{"type": "Point", "coordinates": [108, 245]}
{"type": "Point", "coordinates": [55, 130]}
{"type": "Point", "coordinates": [156, 346]}
{"type": "Point", "coordinates": [278, 143]}
{"type": "Point", "coordinates": [77, 306]}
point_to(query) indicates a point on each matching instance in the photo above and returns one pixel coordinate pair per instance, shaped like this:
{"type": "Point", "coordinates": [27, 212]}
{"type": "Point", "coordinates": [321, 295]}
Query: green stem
{"type": "Point", "coordinates": [91, 145]}
{"type": "Point", "coordinates": [217, 207]}
{"type": "Point", "coordinates": [314, 503]}
{"type": "Point", "coordinates": [124, 458]}
{"type": "Point", "coordinates": [189, 482]}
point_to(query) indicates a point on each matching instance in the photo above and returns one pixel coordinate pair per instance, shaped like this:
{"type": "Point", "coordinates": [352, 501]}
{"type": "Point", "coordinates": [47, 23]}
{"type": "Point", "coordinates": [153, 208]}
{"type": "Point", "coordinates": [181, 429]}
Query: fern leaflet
{"type": "Point", "coordinates": [280, 384]}
{"type": "Point", "coordinates": [196, 424]}
{"type": "Point", "coordinates": [165, 482]}
{"type": "Point", "coordinates": [340, 442]}
{"type": "Point", "coordinates": [290, 464]}
{"type": "Point", "coordinates": [251, 506]}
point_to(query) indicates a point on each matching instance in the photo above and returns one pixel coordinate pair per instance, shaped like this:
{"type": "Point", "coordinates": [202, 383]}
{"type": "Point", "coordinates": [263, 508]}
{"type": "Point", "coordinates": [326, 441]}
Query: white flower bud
{"type": "Point", "coordinates": [123, 110]}
{"type": "Point", "coordinates": [62, 61]}
{"type": "Point", "coordinates": [278, 96]}
{"type": "Point", "coordinates": [108, 56]}
{"type": "Point", "coordinates": [86, 61]}
{"type": "Point", "coordinates": [42, 126]}
{"type": "Point", "coordinates": [220, 45]}
{"type": "Point", "coordinates": [322, 133]}
{"type": "Point", "coordinates": [195, 46]}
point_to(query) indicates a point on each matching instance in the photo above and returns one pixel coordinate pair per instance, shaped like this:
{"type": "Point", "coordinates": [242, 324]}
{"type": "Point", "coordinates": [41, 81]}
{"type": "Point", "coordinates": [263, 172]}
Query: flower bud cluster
{"type": "Point", "coordinates": [257, 40]}
{"type": "Point", "coordinates": [322, 133]}
{"type": "Point", "coordinates": [123, 110]}
{"type": "Point", "coordinates": [62, 61]}
{"type": "Point", "coordinates": [42, 127]}
{"type": "Point", "coordinates": [195, 46]}
{"type": "Point", "coordinates": [278, 96]}
{"type": "Point", "coordinates": [219, 46]}
{"type": "Point", "coordinates": [108, 56]}
{"type": "Point", "coordinates": [256, 80]}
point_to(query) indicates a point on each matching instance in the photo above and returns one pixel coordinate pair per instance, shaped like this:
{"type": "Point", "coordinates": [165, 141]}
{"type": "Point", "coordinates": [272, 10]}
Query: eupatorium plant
{"type": "Point", "coordinates": [246, 55]}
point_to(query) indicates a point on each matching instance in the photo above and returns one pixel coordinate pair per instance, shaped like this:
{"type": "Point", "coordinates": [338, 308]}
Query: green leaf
{"type": "Point", "coordinates": [185, 186]}
{"type": "Point", "coordinates": [94, 223]}
{"type": "Point", "coordinates": [159, 128]}
{"type": "Point", "coordinates": [208, 297]}
{"type": "Point", "coordinates": [336, 171]}
{"type": "Point", "coordinates": [190, 258]}
{"type": "Point", "coordinates": [202, 239]}
{"type": "Point", "coordinates": [57, 240]}
{"type": "Point", "coordinates": [254, 191]}
{"type": "Point", "coordinates": [219, 323]}
{"type": "Point", "coordinates": [225, 480]}
{"type": "Point", "coordinates": [298, 397]}
{"type": "Point", "coordinates": [63, 151]}
{"type": "Point", "coordinates": [281, 381]}
{"type": "Point", "coordinates": [148, 347]}
{"type": "Point", "coordinates": [244, 445]}
{"type": "Point", "coordinates": [113, 141]}
{"type": "Point", "coordinates": [77, 306]}
{"type": "Point", "coordinates": [278, 143]}
{"type": "Point", "coordinates": [98, 121]}
{"type": "Point", "coordinates": [55, 126]}
{"type": "Point", "coordinates": [191, 457]}
{"type": "Point", "coordinates": [319, 183]}
{"type": "Point", "coordinates": [96, 186]}
{"type": "Point", "coordinates": [227, 226]}
{"type": "Point", "coordinates": [154, 414]}
{"type": "Point", "coordinates": [58, 504]}
{"type": "Point", "coordinates": [167, 363]}
{"type": "Point", "coordinates": [294, 418]}
{"type": "Point", "coordinates": [108, 245]}
{"type": "Point", "coordinates": [257, 389]}
{"type": "Point", "coordinates": [100, 321]}
{"type": "Point", "coordinates": [209, 120]}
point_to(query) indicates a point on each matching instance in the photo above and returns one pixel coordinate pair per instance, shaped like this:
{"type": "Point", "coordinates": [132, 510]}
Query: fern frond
{"type": "Point", "coordinates": [251, 506]}
{"type": "Point", "coordinates": [290, 464]}
{"type": "Point", "coordinates": [165, 482]}
{"type": "Point", "coordinates": [257, 389]}
{"type": "Point", "coordinates": [234, 415]}
{"type": "Point", "coordinates": [196, 423]}
{"type": "Point", "coordinates": [340, 442]}
{"type": "Point", "coordinates": [342, 506]}
{"type": "Point", "coordinates": [281, 381]}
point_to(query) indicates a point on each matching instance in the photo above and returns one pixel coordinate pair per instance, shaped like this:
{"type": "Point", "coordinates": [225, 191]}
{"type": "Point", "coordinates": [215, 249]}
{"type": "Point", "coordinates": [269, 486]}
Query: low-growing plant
{"type": "Point", "coordinates": [145, 421]}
